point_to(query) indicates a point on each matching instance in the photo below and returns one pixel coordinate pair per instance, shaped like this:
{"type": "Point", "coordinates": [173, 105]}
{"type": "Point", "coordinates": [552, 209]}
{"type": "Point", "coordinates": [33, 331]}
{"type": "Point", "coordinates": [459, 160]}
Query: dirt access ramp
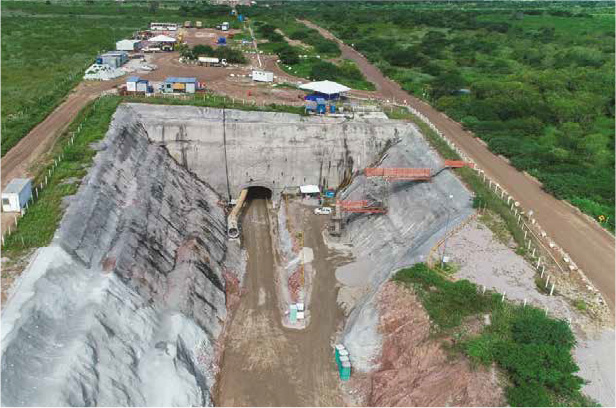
{"type": "Point", "coordinates": [264, 363]}
{"type": "Point", "coordinates": [590, 246]}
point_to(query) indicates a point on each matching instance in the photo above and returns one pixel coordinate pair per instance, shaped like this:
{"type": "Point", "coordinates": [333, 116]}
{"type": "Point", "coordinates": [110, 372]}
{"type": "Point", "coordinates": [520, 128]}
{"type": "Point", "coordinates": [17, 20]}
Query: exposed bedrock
{"type": "Point", "coordinates": [126, 304]}
{"type": "Point", "coordinates": [418, 214]}
{"type": "Point", "coordinates": [273, 150]}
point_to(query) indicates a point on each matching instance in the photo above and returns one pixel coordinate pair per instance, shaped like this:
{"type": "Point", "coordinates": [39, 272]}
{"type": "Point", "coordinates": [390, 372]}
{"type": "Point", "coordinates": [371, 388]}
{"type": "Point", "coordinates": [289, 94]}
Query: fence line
{"type": "Point", "coordinates": [38, 189]}
{"type": "Point", "coordinates": [533, 244]}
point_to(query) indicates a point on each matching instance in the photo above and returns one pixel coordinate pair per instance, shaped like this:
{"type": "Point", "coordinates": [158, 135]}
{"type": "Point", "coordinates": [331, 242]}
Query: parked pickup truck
{"type": "Point", "coordinates": [323, 211]}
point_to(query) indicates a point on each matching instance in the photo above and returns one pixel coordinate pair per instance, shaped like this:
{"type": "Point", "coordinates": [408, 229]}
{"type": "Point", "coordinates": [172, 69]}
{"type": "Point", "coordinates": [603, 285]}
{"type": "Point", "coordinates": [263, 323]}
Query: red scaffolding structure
{"type": "Point", "coordinates": [409, 174]}
{"type": "Point", "coordinates": [360, 207]}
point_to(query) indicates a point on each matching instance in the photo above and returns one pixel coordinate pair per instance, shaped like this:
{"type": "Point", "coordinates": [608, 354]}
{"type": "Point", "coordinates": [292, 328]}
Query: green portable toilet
{"type": "Point", "coordinates": [293, 313]}
{"type": "Point", "coordinates": [345, 370]}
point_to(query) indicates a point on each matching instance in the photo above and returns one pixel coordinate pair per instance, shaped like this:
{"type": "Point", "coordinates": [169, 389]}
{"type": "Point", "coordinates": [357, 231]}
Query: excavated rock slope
{"type": "Point", "coordinates": [126, 304]}
{"type": "Point", "coordinates": [418, 215]}
{"type": "Point", "coordinates": [411, 356]}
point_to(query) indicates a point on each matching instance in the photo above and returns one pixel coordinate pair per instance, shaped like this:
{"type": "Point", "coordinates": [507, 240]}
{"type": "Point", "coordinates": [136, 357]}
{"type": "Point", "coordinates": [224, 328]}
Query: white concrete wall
{"type": "Point", "coordinates": [270, 149]}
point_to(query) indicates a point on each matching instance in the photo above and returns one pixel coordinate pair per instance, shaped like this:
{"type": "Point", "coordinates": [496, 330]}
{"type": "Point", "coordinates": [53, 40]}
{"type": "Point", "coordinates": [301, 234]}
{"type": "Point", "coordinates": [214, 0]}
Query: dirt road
{"type": "Point", "coordinates": [18, 161]}
{"type": "Point", "coordinates": [590, 246]}
{"type": "Point", "coordinates": [265, 364]}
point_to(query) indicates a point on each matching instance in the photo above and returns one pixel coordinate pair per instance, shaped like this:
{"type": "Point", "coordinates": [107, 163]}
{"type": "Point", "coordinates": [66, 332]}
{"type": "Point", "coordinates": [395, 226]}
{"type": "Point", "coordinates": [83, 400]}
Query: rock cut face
{"type": "Point", "coordinates": [126, 304]}
{"type": "Point", "coordinates": [272, 150]}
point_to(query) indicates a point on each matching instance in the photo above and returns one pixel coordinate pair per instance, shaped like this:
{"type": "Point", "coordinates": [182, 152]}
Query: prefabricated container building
{"type": "Point", "coordinates": [114, 59]}
{"type": "Point", "coordinates": [16, 195]}
{"type": "Point", "coordinates": [136, 84]}
{"type": "Point", "coordinates": [180, 85]}
{"type": "Point", "coordinates": [262, 76]}
{"type": "Point", "coordinates": [128, 45]}
{"type": "Point", "coordinates": [163, 27]}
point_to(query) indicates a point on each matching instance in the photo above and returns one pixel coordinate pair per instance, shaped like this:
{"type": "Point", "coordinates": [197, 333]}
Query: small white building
{"type": "Point", "coordinates": [163, 26]}
{"type": "Point", "coordinates": [136, 84]}
{"type": "Point", "coordinates": [16, 195]}
{"type": "Point", "coordinates": [309, 190]}
{"type": "Point", "coordinates": [262, 76]}
{"type": "Point", "coordinates": [128, 45]}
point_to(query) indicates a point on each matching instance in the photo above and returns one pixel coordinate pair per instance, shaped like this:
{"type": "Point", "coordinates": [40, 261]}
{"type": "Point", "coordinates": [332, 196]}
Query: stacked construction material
{"type": "Point", "coordinates": [343, 362]}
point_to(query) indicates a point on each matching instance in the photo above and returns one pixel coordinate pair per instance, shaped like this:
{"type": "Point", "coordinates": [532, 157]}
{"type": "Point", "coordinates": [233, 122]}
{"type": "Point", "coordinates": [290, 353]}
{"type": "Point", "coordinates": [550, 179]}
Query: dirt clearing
{"type": "Point", "coordinates": [264, 363]}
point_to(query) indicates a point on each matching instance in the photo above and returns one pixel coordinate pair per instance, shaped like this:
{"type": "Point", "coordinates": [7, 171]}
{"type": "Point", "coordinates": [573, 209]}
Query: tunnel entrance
{"type": "Point", "coordinates": [247, 195]}
{"type": "Point", "coordinates": [259, 193]}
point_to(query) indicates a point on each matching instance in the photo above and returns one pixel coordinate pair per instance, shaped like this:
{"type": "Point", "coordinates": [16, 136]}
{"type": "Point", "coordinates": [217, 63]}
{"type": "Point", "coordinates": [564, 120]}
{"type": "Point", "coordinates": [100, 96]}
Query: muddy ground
{"type": "Point", "coordinates": [264, 363]}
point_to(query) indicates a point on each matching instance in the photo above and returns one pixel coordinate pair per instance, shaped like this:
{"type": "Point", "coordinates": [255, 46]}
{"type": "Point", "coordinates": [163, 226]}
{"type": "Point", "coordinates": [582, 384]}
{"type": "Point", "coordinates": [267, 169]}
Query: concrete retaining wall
{"type": "Point", "coordinates": [269, 149]}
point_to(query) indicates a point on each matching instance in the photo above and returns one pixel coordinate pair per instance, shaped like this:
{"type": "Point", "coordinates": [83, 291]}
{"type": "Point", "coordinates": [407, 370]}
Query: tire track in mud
{"type": "Point", "coordinates": [264, 363]}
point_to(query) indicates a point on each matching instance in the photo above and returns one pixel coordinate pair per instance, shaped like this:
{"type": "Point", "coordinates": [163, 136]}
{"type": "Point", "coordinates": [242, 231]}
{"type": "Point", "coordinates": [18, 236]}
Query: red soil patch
{"type": "Point", "coordinates": [415, 370]}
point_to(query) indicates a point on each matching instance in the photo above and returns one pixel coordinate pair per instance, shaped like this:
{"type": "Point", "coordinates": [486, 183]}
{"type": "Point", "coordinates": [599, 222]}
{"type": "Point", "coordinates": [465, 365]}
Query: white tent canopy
{"type": "Point", "coordinates": [162, 39]}
{"type": "Point", "coordinates": [325, 87]}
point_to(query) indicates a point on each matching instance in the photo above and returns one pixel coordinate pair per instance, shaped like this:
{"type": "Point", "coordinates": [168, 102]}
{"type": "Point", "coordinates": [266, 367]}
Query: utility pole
{"type": "Point", "coordinates": [446, 235]}
{"type": "Point", "coordinates": [224, 141]}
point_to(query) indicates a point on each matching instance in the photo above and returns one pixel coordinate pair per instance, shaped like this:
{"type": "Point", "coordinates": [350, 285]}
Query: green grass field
{"type": "Point", "coordinates": [47, 47]}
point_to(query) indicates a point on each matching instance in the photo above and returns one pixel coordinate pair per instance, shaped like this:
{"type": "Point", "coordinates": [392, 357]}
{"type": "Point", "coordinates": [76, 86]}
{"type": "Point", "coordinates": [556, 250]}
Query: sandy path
{"type": "Point", "coordinates": [265, 364]}
{"type": "Point", "coordinates": [590, 246]}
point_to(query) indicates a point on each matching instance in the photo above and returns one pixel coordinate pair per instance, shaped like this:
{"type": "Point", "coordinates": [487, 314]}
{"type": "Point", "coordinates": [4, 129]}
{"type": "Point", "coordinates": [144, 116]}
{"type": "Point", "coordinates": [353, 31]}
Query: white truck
{"type": "Point", "coordinates": [262, 76]}
{"type": "Point", "coordinates": [224, 26]}
{"type": "Point", "coordinates": [212, 62]}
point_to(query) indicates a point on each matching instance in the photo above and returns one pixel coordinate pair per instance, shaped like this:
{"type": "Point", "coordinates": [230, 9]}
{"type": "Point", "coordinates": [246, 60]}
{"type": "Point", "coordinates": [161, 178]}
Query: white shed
{"type": "Point", "coordinates": [309, 189]}
{"type": "Point", "coordinates": [127, 45]}
{"type": "Point", "coordinates": [136, 84]}
{"type": "Point", "coordinates": [16, 195]}
{"type": "Point", "coordinates": [262, 76]}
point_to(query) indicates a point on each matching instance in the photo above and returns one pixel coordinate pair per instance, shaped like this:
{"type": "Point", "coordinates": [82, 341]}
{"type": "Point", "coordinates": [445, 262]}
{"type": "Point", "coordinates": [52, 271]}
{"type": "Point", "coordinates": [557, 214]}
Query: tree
{"type": "Point", "coordinates": [447, 83]}
{"type": "Point", "coordinates": [154, 5]}
{"type": "Point", "coordinates": [324, 70]}
{"type": "Point", "coordinates": [203, 50]}
{"type": "Point", "coordinates": [288, 56]}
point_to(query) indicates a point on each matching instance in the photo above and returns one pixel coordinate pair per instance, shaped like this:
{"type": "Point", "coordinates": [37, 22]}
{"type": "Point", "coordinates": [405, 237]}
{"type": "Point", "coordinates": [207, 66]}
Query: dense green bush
{"type": "Point", "coordinates": [532, 348]}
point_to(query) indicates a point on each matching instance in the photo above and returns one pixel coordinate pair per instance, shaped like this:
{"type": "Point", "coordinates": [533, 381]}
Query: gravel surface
{"type": "Point", "coordinates": [486, 261]}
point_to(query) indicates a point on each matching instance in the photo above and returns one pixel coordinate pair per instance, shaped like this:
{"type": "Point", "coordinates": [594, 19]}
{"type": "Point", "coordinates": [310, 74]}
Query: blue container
{"type": "Point", "coordinates": [240, 17]}
{"type": "Point", "coordinates": [332, 108]}
{"type": "Point", "coordinates": [330, 193]}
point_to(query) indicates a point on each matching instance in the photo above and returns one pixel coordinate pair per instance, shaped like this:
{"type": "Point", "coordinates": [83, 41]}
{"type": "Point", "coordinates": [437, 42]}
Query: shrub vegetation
{"type": "Point", "coordinates": [532, 348]}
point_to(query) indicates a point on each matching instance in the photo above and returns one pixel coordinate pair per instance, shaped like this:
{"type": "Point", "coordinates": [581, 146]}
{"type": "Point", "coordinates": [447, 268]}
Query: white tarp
{"type": "Point", "coordinates": [126, 45]}
{"type": "Point", "coordinates": [309, 189]}
{"type": "Point", "coordinates": [162, 39]}
{"type": "Point", "coordinates": [325, 87]}
{"type": "Point", "coordinates": [102, 72]}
